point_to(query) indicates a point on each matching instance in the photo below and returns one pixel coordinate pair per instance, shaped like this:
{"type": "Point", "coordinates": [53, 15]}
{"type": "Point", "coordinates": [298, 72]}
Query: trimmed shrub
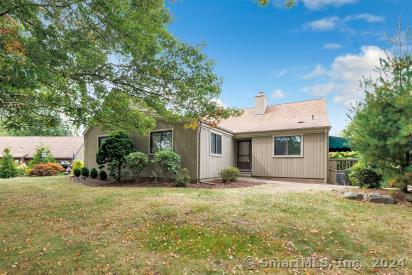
{"type": "Point", "coordinates": [113, 153]}
{"type": "Point", "coordinates": [77, 164]}
{"type": "Point", "coordinates": [46, 169]}
{"type": "Point", "coordinates": [363, 175]}
{"type": "Point", "coordinates": [93, 173]}
{"type": "Point", "coordinates": [229, 174]}
{"type": "Point", "coordinates": [77, 172]}
{"type": "Point", "coordinates": [43, 155]}
{"type": "Point", "coordinates": [168, 162]}
{"type": "Point", "coordinates": [183, 177]}
{"type": "Point", "coordinates": [8, 167]}
{"type": "Point", "coordinates": [137, 161]}
{"type": "Point", "coordinates": [85, 172]}
{"type": "Point", "coordinates": [102, 175]}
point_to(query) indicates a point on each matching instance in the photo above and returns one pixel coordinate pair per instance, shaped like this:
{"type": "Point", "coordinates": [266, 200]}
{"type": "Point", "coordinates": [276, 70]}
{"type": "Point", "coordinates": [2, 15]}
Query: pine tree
{"type": "Point", "coordinates": [381, 125]}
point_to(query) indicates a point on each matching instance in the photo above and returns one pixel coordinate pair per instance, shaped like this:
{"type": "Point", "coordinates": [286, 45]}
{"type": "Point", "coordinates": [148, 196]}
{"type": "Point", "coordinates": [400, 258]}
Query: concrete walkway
{"type": "Point", "coordinates": [283, 186]}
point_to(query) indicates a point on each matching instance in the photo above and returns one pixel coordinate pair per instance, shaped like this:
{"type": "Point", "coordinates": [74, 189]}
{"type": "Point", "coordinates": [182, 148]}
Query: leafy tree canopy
{"type": "Point", "coordinates": [45, 127]}
{"type": "Point", "coordinates": [68, 56]}
{"type": "Point", "coordinates": [381, 125]}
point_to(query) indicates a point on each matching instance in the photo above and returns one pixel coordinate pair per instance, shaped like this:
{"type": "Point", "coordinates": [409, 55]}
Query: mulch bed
{"type": "Point", "coordinates": [215, 184]}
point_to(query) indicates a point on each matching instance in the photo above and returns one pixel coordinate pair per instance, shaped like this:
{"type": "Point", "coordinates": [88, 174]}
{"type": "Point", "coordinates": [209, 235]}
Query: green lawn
{"type": "Point", "coordinates": [53, 224]}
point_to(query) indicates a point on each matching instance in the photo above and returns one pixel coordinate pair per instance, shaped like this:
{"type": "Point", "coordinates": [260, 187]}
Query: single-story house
{"type": "Point", "coordinates": [277, 141]}
{"type": "Point", "coordinates": [64, 148]}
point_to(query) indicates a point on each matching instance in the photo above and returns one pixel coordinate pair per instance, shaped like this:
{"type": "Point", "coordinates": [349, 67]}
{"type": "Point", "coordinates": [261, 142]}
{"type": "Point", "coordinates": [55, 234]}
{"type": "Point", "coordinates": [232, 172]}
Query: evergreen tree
{"type": "Point", "coordinates": [8, 167]}
{"type": "Point", "coordinates": [113, 153]}
{"type": "Point", "coordinates": [381, 125]}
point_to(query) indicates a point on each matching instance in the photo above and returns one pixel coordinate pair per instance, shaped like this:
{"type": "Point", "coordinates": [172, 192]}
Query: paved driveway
{"type": "Point", "coordinates": [283, 186]}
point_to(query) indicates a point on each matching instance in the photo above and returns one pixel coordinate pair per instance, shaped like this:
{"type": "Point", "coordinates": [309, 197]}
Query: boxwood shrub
{"type": "Point", "coordinates": [229, 174]}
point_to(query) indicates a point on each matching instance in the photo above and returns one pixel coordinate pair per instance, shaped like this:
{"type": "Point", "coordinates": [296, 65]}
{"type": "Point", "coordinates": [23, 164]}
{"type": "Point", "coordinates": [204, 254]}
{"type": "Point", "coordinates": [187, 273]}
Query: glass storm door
{"type": "Point", "coordinates": [244, 150]}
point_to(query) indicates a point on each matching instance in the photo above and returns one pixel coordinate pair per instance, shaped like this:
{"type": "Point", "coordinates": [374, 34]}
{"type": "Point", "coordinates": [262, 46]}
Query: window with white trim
{"type": "Point", "coordinates": [161, 140]}
{"type": "Point", "coordinates": [215, 144]}
{"type": "Point", "coordinates": [287, 146]}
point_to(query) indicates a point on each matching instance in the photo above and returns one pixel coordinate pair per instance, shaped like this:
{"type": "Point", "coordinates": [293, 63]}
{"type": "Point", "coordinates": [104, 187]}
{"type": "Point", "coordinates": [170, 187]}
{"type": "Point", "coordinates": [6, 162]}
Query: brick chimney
{"type": "Point", "coordinates": [261, 103]}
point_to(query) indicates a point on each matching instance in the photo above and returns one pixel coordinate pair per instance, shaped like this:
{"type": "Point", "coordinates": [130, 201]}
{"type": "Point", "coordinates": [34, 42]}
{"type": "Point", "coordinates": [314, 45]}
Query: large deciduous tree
{"type": "Point", "coordinates": [68, 56]}
{"type": "Point", "coordinates": [381, 125]}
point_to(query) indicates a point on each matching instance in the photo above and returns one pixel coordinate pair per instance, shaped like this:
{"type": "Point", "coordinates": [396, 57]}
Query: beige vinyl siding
{"type": "Point", "coordinates": [184, 144]}
{"type": "Point", "coordinates": [90, 146]}
{"type": "Point", "coordinates": [311, 165]}
{"type": "Point", "coordinates": [210, 165]}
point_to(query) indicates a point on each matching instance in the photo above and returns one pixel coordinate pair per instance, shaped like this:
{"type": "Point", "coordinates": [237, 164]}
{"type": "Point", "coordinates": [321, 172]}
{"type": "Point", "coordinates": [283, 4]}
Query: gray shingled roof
{"type": "Point", "coordinates": [288, 116]}
{"type": "Point", "coordinates": [61, 147]}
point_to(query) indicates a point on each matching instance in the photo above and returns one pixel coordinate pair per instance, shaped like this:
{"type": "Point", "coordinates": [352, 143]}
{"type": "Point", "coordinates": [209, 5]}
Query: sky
{"type": "Point", "coordinates": [318, 49]}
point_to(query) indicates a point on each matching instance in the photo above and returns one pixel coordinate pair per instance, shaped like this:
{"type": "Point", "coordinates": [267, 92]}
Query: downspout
{"type": "Point", "coordinates": [327, 155]}
{"type": "Point", "coordinates": [199, 132]}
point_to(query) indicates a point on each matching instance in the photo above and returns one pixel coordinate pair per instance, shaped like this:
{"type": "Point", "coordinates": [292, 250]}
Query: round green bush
{"type": "Point", "coordinates": [136, 162]}
{"type": "Point", "coordinates": [85, 172]}
{"type": "Point", "coordinates": [93, 173]}
{"type": "Point", "coordinates": [229, 174]}
{"type": "Point", "coordinates": [363, 175]}
{"type": "Point", "coordinates": [77, 172]}
{"type": "Point", "coordinates": [102, 175]}
{"type": "Point", "coordinates": [183, 177]}
{"type": "Point", "coordinates": [168, 161]}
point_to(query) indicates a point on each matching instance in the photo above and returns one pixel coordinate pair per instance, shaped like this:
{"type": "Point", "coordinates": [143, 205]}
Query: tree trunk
{"type": "Point", "coordinates": [406, 162]}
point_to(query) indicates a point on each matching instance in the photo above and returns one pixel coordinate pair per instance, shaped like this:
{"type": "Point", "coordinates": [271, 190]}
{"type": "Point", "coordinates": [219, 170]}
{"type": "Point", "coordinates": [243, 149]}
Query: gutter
{"type": "Point", "coordinates": [281, 130]}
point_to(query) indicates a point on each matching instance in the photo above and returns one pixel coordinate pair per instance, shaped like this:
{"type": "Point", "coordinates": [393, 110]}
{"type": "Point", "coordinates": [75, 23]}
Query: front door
{"type": "Point", "coordinates": [244, 152]}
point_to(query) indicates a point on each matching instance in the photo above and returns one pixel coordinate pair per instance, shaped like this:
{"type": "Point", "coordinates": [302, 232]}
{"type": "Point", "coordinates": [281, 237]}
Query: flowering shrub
{"type": "Point", "coordinates": [43, 155]}
{"type": "Point", "coordinates": [46, 169]}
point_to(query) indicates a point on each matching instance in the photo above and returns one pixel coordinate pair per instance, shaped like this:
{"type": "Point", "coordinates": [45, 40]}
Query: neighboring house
{"type": "Point", "coordinates": [278, 141]}
{"type": "Point", "coordinates": [65, 148]}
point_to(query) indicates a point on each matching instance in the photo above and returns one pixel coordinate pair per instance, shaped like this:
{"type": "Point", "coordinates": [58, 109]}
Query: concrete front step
{"type": "Point", "coordinates": [245, 174]}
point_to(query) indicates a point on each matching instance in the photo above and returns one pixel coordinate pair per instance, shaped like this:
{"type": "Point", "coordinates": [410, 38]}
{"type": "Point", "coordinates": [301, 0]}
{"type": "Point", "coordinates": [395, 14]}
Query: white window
{"type": "Point", "coordinates": [161, 140]}
{"type": "Point", "coordinates": [287, 146]}
{"type": "Point", "coordinates": [215, 144]}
